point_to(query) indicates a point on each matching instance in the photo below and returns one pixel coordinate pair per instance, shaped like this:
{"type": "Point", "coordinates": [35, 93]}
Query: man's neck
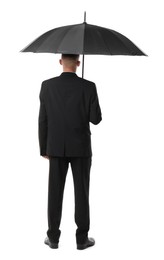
{"type": "Point", "coordinates": [73, 70]}
{"type": "Point", "coordinates": [70, 71]}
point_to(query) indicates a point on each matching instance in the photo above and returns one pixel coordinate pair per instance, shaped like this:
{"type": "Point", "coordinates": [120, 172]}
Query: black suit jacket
{"type": "Point", "coordinates": [67, 105]}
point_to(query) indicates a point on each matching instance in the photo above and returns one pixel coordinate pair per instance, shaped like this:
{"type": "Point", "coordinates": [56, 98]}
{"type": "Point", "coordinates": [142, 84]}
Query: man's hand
{"type": "Point", "coordinates": [46, 157]}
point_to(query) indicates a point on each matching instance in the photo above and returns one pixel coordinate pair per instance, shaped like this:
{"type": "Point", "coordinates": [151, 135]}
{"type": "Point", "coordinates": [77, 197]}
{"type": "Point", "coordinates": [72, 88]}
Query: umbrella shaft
{"type": "Point", "coordinates": [83, 67]}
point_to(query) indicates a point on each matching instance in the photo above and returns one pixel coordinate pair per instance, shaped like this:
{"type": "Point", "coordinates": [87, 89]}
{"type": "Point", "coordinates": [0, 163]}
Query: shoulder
{"type": "Point", "coordinates": [87, 84]}
{"type": "Point", "coordinates": [49, 81]}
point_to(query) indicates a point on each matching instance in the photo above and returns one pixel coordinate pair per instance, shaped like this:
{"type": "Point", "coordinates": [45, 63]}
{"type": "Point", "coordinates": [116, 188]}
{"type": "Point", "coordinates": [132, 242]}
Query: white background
{"type": "Point", "coordinates": [126, 195]}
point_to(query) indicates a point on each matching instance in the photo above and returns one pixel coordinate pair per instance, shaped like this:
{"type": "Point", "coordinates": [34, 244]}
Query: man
{"type": "Point", "coordinates": [67, 105]}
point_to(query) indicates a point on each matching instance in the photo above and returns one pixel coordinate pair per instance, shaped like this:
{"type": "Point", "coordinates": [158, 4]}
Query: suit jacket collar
{"type": "Point", "coordinates": [68, 74]}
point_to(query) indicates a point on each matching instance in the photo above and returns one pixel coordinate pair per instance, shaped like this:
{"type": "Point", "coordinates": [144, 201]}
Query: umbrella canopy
{"type": "Point", "coordinates": [83, 39]}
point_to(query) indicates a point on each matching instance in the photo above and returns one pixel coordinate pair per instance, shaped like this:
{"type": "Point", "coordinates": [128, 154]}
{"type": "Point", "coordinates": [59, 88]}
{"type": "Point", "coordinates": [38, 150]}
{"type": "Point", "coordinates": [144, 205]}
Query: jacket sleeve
{"type": "Point", "coordinates": [95, 115]}
{"type": "Point", "coordinates": [43, 124]}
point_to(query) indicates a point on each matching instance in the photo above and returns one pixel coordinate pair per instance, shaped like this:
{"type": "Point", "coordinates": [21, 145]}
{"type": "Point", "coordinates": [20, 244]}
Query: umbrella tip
{"type": "Point", "coordinates": [85, 17]}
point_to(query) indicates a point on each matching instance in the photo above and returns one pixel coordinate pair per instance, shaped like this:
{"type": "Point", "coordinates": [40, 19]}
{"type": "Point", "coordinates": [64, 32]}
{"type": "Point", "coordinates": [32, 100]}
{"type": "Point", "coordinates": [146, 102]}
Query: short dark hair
{"type": "Point", "coordinates": [71, 56]}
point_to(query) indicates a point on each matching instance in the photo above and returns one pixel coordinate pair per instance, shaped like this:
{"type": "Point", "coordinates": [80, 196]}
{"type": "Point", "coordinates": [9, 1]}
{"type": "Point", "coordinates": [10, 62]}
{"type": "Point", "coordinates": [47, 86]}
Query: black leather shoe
{"type": "Point", "coordinates": [89, 242]}
{"type": "Point", "coordinates": [50, 244]}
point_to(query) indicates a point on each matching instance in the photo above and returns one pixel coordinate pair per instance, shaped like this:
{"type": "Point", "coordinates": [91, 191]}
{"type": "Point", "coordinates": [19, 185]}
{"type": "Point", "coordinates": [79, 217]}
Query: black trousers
{"type": "Point", "coordinates": [58, 167]}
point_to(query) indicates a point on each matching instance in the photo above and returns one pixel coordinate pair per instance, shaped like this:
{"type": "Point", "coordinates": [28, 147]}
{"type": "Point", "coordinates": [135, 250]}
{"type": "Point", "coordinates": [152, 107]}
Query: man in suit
{"type": "Point", "coordinates": [67, 105]}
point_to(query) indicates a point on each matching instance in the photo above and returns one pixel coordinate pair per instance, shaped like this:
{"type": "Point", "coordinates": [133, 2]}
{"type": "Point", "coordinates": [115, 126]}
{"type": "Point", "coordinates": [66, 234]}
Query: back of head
{"type": "Point", "coordinates": [70, 61]}
{"type": "Point", "coordinates": [74, 57]}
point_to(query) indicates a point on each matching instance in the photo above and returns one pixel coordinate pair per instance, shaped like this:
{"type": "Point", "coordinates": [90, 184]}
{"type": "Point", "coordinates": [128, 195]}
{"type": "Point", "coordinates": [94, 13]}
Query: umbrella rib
{"type": "Point", "coordinates": [63, 39]}
{"type": "Point", "coordinates": [66, 33]}
{"type": "Point", "coordinates": [117, 36]}
{"type": "Point", "coordinates": [47, 39]}
{"type": "Point", "coordinates": [111, 31]}
{"type": "Point", "coordinates": [106, 44]}
{"type": "Point", "coordinates": [37, 39]}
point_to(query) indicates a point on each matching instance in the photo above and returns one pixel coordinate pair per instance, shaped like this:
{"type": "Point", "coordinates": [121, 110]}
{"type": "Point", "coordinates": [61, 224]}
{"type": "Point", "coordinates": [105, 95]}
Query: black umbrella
{"type": "Point", "coordinates": [83, 39]}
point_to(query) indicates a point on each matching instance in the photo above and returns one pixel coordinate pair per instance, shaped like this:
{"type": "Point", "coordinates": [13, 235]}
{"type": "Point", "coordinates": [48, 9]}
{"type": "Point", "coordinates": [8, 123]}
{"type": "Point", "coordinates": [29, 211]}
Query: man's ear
{"type": "Point", "coordinates": [78, 63]}
{"type": "Point", "coordinates": [60, 61]}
